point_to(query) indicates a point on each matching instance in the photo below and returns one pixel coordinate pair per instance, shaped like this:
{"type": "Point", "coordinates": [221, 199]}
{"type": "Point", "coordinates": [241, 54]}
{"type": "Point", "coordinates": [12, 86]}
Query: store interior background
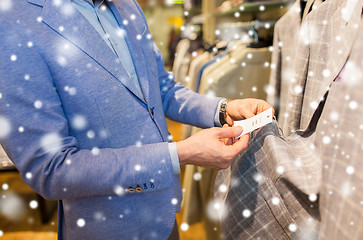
{"type": "Point", "coordinates": [26, 215]}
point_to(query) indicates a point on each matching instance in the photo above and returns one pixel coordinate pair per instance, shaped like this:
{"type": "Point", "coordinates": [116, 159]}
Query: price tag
{"type": "Point", "coordinates": [255, 122]}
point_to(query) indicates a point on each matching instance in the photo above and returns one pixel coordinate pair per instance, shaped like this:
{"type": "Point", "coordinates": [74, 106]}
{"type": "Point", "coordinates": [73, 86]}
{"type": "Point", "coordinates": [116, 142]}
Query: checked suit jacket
{"type": "Point", "coordinates": [307, 185]}
{"type": "Point", "coordinates": [77, 128]}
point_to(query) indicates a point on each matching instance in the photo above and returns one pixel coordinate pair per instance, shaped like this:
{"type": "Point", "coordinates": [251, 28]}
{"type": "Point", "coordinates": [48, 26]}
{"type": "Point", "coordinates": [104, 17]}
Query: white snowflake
{"type": "Point", "coordinates": [280, 169]}
{"type": "Point", "coordinates": [137, 167]}
{"type": "Point", "coordinates": [57, 3]}
{"type": "Point", "coordinates": [313, 197]}
{"type": "Point", "coordinates": [12, 207]}
{"type": "Point", "coordinates": [91, 134]}
{"type": "Point", "coordinates": [5, 127]}
{"type": "Point", "coordinates": [138, 144]}
{"type": "Point", "coordinates": [350, 170]}
{"type": "Point", "coordinates": [95, 151]}
{"type": "Point", "coordinates": [67, 9]}
{"type": "Point", "coordinates": [223, 188]}
{"type": "Point", "coordinates": [184, 227]}
{"type": "Point", "coordinates": [33, 204]}
{"type": "Point", "coordinates": [5, 186]}
{"type": "Point", "coordinates": [197, 176]}
{"type": "Point", "coordinates": [215, 209]}
{"type": "Point", "coordinates": [246, 213]}
{"type": "Point", "coordinates": [13, 57]}
{"type": "Point", "coordinates": [119, 190]}
{"type": "Point", "coordinates": [5, 5]}
{"type": "Point", "coordinates": [62, 61]}
{"type": "Point", "coordinates": [326, 140]}
{"type": "Point", "coordinates": [79, 122]}
{"type": "Point", "coordinates": [38, 104]}
{"type": "Point", "coordinates": [292, 227]}
{"type": "Point", "coordinates": [353, 105]}
{"type": "Point", "coordinates": [275, 200]}
{"type": "Point", "coordinates": [81, 222]}
{"type": "Point", "coordinates": [28, 175]}
{"type": "Point", "coordinates": [334, 116]}
{"type": "Point", "coordinates": [51, 143]}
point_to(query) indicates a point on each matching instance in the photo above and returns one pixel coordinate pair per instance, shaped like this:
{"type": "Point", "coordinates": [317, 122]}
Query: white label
{"type": "Point", "coordinates": [255, 122]}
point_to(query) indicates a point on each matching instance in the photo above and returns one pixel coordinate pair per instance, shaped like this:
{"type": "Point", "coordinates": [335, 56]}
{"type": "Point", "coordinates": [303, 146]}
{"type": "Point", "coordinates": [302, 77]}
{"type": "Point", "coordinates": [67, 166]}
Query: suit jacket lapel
{"type": "Point", "coordinates": [331, 41]}
{"type": "Point", "coordinates": [73, 26]}
{"type": "Point", "coordinates": [339, 37]}
{"type": "Point", "coordinates": [129, 18]}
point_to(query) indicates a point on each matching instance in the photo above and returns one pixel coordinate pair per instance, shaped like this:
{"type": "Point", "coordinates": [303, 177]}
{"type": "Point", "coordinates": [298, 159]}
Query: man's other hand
{"type": "Point", "coordinates": [241, 109]}
{"type": "Point", "coordinates": [212, 148]}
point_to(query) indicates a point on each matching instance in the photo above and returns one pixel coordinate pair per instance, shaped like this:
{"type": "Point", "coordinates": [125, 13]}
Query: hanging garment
{"type": "Point", "coordinates": [308, 185]}
{"type": "Point", "coordinates": [198, 197]}
{"type": "Point", "coordinates": [241, 74]}
{"type": "Point", "coordinates": [286, 35]}
{"type": "Point", "coordinates": [320, 56]}
{"type": "Point", "coordinates": [191, 83]}
{"type": "Point", "coordinates": [182, 60]}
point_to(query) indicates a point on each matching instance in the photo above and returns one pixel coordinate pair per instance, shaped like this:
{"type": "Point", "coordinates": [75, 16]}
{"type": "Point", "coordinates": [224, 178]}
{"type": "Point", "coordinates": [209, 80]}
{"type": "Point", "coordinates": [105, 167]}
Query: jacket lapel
{"type": "Point", "coordinates": [339, 36]}
{"type": "Point", "coordinates": [330, 43]}
{"type": "Point", "coordinates": [68, 22]}
{"type": "Point", "coordinates": [129, 17]}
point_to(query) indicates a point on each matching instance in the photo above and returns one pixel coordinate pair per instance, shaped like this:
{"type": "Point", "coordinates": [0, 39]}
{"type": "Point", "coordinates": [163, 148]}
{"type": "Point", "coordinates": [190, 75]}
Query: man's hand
{"type": "Point", "coordinates": [211, 148]}
{"type": "Point", "coordinates": [244, 108]}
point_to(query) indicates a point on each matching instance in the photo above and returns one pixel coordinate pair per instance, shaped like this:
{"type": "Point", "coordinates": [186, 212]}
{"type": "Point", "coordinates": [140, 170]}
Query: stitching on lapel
{"type": "Point", "coordinates": [39, 3]}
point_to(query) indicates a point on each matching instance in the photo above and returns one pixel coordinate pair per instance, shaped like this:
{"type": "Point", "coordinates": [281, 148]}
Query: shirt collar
{"type": "Point", "coordinates": [95, 5]}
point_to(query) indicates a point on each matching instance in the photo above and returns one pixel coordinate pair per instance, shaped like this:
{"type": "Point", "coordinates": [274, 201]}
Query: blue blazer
{"type": "Point", "coordinates": [81, 134]}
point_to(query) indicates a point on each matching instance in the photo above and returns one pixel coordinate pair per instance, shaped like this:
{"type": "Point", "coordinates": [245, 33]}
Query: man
{"type": "Point", "coordinates": [84, 96]}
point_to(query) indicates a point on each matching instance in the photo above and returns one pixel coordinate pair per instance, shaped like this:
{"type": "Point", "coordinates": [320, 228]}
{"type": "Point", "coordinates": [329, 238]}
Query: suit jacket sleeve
{"type": "Point", "coordinates": [182, 104]}
{"type": "Point", "coordinates": [34, 132]}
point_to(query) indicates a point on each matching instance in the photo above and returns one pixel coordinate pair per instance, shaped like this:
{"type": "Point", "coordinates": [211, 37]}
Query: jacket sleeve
{"type": "Point", "coordinates": [182, 104]}
{"type": "Point", "coordinates": [34, 133]}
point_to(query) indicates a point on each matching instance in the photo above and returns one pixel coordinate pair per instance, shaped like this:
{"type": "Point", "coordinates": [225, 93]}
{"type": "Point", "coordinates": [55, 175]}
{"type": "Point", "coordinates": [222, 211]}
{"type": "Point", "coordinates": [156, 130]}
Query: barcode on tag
{"type": "Point", "coordinates": [255, 122]}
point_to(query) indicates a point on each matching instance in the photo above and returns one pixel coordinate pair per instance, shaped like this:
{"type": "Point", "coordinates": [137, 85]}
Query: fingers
{"type": "Point", "coordinates": [240, 144]}
{"type": "Point", "coordinates": [229, 132]}
{"type": "Point", "coordinates": [225, 140]}
{"type": "Point", "coordinates": [263, 106]}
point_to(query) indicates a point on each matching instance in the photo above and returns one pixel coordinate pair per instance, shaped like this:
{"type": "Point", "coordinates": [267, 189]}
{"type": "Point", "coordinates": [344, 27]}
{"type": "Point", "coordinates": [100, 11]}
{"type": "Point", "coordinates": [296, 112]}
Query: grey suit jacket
{"type": "Point", "coordinates": [286, 35]}
{"type": "Point", "coordinates": [324, 45]}
{"type": "Point", "coordinates": [308, 185]}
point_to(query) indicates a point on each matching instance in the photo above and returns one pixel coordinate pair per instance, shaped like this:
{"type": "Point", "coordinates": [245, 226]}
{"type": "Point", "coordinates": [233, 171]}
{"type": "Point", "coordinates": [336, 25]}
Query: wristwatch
{"type": "Point", "coordinates": [223, 112]}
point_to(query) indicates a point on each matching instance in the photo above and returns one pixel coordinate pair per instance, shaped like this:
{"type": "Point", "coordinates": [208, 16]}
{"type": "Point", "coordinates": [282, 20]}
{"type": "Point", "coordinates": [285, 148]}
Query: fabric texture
{"type": "Point", "coordinates": [89, 136]}
{"type": "Point", "coordinates": [307, 185]}
{"type": "Point", "coordinates": [326, 35]}
{"type": "Point", "coordinates": [223, 78]}
{"type": "Point", "coordinates": [287, 33]}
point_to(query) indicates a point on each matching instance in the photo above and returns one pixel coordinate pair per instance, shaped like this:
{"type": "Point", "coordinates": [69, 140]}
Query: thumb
{"type": "Point", "coordinates": [241, 144]}
{"type": "Point", "coordinates": [229, 132]}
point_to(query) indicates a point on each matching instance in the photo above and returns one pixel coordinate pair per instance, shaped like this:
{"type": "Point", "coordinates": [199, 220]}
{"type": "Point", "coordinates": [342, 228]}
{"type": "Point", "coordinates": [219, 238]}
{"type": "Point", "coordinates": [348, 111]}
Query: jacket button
{"type": "Point", "coordinates": [131, 190]}
{"type": "Point", "coordinates": [138, 189]}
